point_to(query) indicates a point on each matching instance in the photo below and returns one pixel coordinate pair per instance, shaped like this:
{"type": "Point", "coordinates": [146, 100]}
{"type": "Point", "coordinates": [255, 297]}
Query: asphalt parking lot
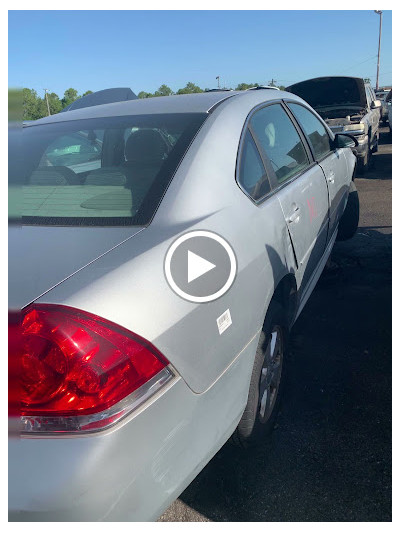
{"type": "Point", "coordinates": [329, 457]}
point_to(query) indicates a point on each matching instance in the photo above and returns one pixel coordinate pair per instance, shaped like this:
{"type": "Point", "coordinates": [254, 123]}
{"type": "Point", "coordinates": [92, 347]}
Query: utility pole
{"type": "Point", "coordinates": [378, 12]}
{"type": "Point", "coordinates": [47, 101]}
{"type": "Point", "coordinates": [217, 78]}
{"type": "Point", "coordinates": [272, 82]}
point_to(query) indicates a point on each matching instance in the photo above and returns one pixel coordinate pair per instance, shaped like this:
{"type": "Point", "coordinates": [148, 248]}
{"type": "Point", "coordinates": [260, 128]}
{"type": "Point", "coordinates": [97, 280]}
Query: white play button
{"type": "Point", "coordinates": [200, 266]}
{"type": "Point", "coordinates": [197, 266]}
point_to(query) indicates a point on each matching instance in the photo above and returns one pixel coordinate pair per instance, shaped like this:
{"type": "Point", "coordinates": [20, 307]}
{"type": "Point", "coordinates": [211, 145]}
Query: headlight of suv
{"type": "Point", "coordinates": [355, 129]}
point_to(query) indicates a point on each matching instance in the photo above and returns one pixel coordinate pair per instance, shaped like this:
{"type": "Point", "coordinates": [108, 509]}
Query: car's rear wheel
{"type": "Point", "coordinates": [348, 224]}
{"type": "Point", "coordinates": [266, 382]}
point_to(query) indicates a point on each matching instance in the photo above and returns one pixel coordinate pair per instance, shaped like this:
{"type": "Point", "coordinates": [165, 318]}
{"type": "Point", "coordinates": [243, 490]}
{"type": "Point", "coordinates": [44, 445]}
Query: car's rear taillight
{"type": "Point", "coordinates": [73, 371]}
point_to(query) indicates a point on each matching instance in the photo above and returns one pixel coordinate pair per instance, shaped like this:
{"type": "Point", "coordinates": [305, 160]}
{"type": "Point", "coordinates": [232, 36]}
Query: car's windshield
{"type": "Point", "coordinates": [104, 171]}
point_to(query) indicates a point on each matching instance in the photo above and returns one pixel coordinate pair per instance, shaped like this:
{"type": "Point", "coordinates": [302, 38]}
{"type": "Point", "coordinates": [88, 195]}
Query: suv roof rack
{"type": "Point", "coordinates": [106, 96]}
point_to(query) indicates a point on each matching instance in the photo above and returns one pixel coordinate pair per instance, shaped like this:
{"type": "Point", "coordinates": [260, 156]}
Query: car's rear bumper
{"type": "Point", "coordinates": [136, 470]}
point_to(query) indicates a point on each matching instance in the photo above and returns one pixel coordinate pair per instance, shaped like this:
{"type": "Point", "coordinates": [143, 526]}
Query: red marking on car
{"type": "Point", "coordinates": [311, 208]}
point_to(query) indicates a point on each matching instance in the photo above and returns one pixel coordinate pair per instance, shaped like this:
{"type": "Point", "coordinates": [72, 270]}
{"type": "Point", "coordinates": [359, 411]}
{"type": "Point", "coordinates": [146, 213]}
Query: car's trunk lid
{"type": "Point", "coordinates": [41, 257]}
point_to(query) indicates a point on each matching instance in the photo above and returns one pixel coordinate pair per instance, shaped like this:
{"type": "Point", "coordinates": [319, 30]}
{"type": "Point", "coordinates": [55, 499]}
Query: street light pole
{"type": "Point", "coordinates": [378, 12]}
{"type": "Point", "coordinates": [217, 78]}
{"type": "Point", "coordinates": [47, 101]}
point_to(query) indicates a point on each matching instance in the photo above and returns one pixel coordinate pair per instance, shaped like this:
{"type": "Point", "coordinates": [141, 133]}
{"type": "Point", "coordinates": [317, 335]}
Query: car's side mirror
{"type": "Point", "coordinates": [375, 104]}
{"type": "Point", "coordinates": [345, 140]}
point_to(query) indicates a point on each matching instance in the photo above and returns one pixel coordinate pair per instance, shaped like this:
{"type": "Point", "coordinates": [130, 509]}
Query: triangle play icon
{"type": "Point", "coordinates": [197, 266]}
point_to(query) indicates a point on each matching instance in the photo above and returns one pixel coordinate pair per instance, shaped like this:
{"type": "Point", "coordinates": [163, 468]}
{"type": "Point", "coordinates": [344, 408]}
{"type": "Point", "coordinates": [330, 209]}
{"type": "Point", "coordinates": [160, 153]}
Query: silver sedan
{"type": "Point", "coordinates": [159, 252]}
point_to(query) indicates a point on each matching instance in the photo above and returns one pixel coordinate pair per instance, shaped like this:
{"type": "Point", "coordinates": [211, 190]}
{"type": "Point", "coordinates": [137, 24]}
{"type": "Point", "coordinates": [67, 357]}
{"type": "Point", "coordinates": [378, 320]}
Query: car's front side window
{"type": "Point", "coordinates": [314, 129]}
{"type": "Point", "coordinates": [369, 96]}
{"type": "Point", "coordinates": [373, 96]}
{"type": "Point", "coordinates": [74, 149]}
{"type": "Point", "coordinates": [280, 141]}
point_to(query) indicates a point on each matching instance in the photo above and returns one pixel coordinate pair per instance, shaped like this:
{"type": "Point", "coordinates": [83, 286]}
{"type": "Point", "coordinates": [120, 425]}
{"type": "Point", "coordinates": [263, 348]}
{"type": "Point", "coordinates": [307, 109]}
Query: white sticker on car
{"type": "Point", "coordinates": [224, 321]}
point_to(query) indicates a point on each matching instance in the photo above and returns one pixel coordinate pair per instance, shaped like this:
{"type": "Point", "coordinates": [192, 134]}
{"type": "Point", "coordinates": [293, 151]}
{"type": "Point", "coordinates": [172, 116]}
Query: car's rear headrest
{"type": "Point", "coordinates": [145, 146]}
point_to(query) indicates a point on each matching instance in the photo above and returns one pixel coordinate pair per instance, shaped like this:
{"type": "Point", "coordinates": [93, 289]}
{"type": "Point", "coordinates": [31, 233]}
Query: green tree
{"type": "Point", "coordinates": [144, 94]}
{"type": "Point", "coordinates": [245, 86]}
{"type": "Point", "coordinates": [31, 105]}
{"type": "Point", "coordinates": [42, 107]}
{"type": "Point", "coordinates": [164, 90]}
{"type": "Point", "coordinates": [70, 96]}
{"type": "Point", "coordinates": [87, 92]}
{"type": "Point", "coordinates": [15, 110]}
{"type": "Point", "coordinates": [190, 88]}
{"type": "Point", "coordinates": [54, 103]}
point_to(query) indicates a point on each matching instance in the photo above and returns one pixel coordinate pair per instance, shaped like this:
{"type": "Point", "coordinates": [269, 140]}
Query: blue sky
{"type": "Point", "coordinates": [144, 49]}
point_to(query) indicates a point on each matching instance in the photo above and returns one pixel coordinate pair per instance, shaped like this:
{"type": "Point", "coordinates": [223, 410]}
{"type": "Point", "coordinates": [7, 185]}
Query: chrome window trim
{"type": "Point", "coordinates": [328, 131]}
{"type": "Point", "coordinates": [238, 164]}
{"type": "Point", "coordinates": [295, 177]}
{"type": "Point", "coordinates": [275, 185]}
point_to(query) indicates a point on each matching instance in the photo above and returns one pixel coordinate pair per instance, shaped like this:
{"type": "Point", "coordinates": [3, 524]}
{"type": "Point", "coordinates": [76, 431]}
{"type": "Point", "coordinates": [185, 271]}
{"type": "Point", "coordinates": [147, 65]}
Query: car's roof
{"type": "Point", "coordinates": [184, 103]}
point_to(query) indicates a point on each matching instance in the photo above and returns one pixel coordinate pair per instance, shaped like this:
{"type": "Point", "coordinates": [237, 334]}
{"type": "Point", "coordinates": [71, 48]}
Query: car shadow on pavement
{"type": "Point", "coordinates": [385, 136]}
{"type": "Point", "coordinates": [381, 161]}
{"type": "Point", "coordinates": [329, 457]}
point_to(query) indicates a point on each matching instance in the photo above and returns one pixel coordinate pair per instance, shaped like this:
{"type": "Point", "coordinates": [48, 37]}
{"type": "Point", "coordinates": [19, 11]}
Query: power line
{"type": "Point", "coordinates": [360, 63]}
{"type": "Point", "coordinates": [374, 74]}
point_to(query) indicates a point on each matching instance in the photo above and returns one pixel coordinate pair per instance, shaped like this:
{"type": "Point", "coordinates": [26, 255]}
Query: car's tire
{"type": "Point", "coordinates": [376, 145]}
{"type": "Point", "coordinates": [348, 224]}
{"type": "Point", "coordinates": [266, 382]}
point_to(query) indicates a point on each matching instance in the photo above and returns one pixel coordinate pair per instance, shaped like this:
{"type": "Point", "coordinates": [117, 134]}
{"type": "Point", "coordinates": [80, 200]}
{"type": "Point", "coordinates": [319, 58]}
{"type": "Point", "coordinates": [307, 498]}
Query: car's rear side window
{"type": "Point", "coordinates": [109, 171]}
{"type": "Point", "coordinates": [280, 141]}
{"type": "Point", "coordinates": [252, 176]}
{"type": "Point", "coordinates": [314, 130]}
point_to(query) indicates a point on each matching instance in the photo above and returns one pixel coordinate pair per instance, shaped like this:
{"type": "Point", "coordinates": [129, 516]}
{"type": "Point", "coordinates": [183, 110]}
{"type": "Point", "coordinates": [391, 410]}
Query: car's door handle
{"type": "Point", "coordinates": [294, 217]}
{"type": "Point", "coordinates": [331, 177]}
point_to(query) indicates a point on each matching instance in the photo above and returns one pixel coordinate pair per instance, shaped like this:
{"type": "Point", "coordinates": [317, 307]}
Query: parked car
{"type": "Point", "coordinates": [106, 96]}
{"type": "Point", "coordinates": [389, 108]}
{"type": "Point", "coordinates": [151, 298]}
{"type": "Point", "coordinates": [347, 105]}
{"type": "Point", "coordinates": [381, 95]}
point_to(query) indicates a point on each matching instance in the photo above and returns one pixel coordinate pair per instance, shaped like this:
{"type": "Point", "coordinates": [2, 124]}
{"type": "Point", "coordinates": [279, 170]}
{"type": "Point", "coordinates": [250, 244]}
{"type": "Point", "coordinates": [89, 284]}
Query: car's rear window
{"type": "Point", "coordinates": [95, 172]}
